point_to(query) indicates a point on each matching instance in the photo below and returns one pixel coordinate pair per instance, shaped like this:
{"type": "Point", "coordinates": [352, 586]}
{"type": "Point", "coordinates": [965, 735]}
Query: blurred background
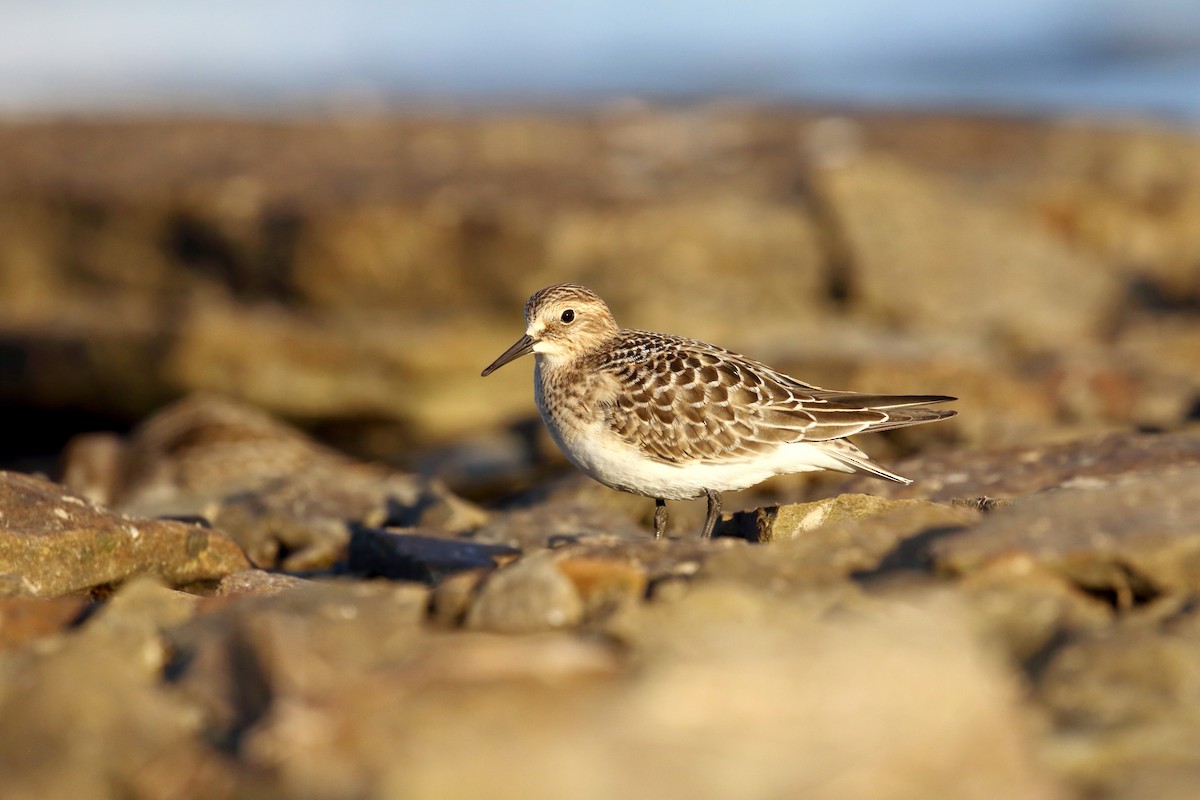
{"type": "Point", "coordinates": [116, 56]}
{"type": "Point", "coordinates": [336, 211]}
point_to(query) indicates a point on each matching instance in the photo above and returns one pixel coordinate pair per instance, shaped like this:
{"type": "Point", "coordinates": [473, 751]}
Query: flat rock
{"type": "Point", "coordinates": [410, 555]}
{"type": "Point", "coordinates": [555, 522]}
{"type": "Point", "coordinates": [1017, 471]}
{"type": "Point", "coordinates": [1130, 538]}
{"type": "Point", "coordinates": [783, 523]}
{"type": "Point", "coordinates": [830, 540]}
{"type": "Point", "coordinates": [57, 543]}
{"type": "Point", "coordinates": [256, 583]}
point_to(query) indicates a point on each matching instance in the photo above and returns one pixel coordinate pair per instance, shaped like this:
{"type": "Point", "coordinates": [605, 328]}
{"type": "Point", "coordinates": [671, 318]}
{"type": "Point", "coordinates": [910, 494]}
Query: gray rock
{"type": "Point", "coordinates": [551, 523]}
{"type": "Point", "coordinates": [58, 543]}
{"type": "Point", "coordinates": [1130, 539]}
{"type": "Point", "coordinates": [1010, 472]}
{"type": "Point", "coordinates": [527, 596]}
{"type": "Point", "coordinates": [412, 556]}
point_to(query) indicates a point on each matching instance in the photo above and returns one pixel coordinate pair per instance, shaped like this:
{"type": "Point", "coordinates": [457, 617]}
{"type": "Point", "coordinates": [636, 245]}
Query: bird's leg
{"type": "Point", "coordinates": [660, 517]}
{"type": "Point", "coordinates": [714, 511]}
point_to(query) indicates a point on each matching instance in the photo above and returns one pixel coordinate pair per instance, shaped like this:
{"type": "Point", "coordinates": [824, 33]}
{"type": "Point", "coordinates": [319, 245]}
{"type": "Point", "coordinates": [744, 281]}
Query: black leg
{"type": "Point", "coordinates": [660, 517]}
{"type": "Point", "coordinates": [714, 511]}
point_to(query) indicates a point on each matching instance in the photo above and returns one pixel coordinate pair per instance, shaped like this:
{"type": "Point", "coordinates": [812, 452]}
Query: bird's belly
{"type": "Point", "coordinates": [604, 456]}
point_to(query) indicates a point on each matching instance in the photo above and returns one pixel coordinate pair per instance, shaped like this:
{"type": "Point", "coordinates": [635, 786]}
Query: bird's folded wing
{"type": "Point", "coordinates": [685, 404]}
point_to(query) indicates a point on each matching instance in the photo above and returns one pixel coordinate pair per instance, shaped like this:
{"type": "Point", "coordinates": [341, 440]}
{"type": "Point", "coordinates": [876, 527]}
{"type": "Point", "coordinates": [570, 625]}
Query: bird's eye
{"type": "Point", "coordinates": [568, 316]}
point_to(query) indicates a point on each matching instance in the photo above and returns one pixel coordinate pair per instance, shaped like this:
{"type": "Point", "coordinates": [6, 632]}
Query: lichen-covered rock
{"type": "Point", "coordinates": [55, 543]}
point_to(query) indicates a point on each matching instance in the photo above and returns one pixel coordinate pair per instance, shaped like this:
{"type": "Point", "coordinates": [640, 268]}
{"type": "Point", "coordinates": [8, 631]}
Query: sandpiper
{"type": "Point", "coordinates": [678, 419]}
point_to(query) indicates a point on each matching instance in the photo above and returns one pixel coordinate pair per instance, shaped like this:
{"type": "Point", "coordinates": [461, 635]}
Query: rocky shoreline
{"type": "Point", "coordinates": [314, 556]}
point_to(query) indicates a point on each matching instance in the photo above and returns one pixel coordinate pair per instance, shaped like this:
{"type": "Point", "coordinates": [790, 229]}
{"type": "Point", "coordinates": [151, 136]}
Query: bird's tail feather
{"type": "Point", "coordinates": [856, 460]}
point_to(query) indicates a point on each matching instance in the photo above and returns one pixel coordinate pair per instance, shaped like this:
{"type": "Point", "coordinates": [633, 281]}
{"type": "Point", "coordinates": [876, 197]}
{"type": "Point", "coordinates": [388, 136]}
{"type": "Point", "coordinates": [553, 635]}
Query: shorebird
{"type": "Point", "coordinates": [677, 419]}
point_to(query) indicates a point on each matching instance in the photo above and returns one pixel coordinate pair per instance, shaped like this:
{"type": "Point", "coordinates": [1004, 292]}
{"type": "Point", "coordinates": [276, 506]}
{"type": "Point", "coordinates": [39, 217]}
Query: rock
{"type": "Point", "coordinates": [1126, 194]}
{"type": "Point", "coordinates": [144, 601]}
{"type": "Point", "coordinates": [527, 596]}
{"type": "Point", "coordinates": [783, 523]}
{"type": "Point", "coordinates": [1017, 471]}
{"type": "Point", "coordinates": [25, 619]}
{"type": "Point", "coordinates": [606, 585]}
{"type": "Point", "coordinates": [1129, 538]}
{"type": "Point", "coordinates": [1027, 608]}
{"type": "Point", "coordinates": [453, 594]}
{"type": "Point", "coordinates": [1124, 704]}
{"type": "Point", "coordinates": [248, 653]}
{"type": "Point", "coordinates": [557, 522]}
{"type": "Point", "coordinates": [1166, 352]}
{"type": "Point", "coordinates": [1020, 622]}
{"type": "Point", "coordinates": [92, 466]}
{"type": "Point", "coordinates": [919, 255]}
{"type": "Point", "coordinates": [830, 540]}
{"type": "Point", "coordinates": [658, 559]}
{"type": "Point", "coordinates": [288, 501]}
{"type": "Point", "coordinates": [87, 715]}
{"type": "Point", "coordinates": [287, 265]}
{"type": "Point", "coordinates": [363, 732]}
{"type": "Point", "coordinates": [768, 689]}
{"type": "Point", "coordinates": [411, 556]}
{"type": "Point", "coordinates": [58, 543]}
{"type": "Point", "coordinates": [256, 583]}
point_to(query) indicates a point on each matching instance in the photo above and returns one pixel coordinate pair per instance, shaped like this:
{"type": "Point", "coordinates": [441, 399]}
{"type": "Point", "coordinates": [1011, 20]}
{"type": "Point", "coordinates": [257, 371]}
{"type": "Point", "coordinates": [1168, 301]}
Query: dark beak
{"type": "Point", "coordinates": [522, 347]}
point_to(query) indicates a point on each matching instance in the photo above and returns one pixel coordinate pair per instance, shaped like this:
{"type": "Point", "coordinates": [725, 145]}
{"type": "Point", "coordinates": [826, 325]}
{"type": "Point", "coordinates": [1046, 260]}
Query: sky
{"type": "Point", "coordinates": [265, 55]}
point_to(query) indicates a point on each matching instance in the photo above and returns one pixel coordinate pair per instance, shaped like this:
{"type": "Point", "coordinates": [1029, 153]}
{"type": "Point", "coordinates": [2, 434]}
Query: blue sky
{"type": "Point", "coordinates": [122, 54]}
